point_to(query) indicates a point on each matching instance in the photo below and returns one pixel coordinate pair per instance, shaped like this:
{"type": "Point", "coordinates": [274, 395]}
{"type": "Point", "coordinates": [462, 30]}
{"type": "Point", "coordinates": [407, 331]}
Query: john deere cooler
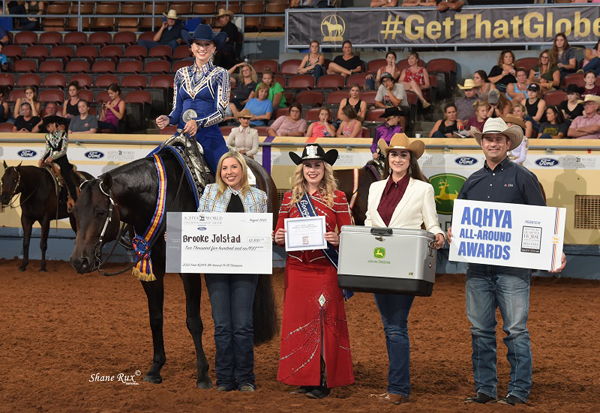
{"type": "Point", "coordinates": [386, 260]}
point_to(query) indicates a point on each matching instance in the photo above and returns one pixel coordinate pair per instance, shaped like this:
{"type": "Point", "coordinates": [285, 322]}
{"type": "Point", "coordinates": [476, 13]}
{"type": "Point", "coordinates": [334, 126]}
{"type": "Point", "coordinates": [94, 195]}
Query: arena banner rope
{"type": "Point", "coordinates": [143, 269]}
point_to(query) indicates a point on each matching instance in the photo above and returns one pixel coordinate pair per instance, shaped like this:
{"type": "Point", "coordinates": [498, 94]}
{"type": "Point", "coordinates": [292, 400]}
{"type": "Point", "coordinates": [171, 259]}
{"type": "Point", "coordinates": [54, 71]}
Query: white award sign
{"type": "Point", "coordinates": [219, 243]}
{"type": "Point", "coordinates": [510, 235]}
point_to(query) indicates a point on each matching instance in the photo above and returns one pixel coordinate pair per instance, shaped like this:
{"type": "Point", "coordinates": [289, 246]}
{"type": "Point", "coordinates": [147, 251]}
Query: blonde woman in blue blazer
{"type": "Point", "coordinates": [232, 295]}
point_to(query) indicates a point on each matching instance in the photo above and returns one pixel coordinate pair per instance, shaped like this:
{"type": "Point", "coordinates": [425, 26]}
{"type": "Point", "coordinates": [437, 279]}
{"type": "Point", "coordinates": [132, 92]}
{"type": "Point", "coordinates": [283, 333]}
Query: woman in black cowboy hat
{"type": "Point", "coordinates": [201, 95]}
{"type": "Point", "coordinates": [315, 347]}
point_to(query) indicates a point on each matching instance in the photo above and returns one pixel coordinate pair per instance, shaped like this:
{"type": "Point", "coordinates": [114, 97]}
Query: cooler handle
{"type": "Point", "coordinates": [381, 232]}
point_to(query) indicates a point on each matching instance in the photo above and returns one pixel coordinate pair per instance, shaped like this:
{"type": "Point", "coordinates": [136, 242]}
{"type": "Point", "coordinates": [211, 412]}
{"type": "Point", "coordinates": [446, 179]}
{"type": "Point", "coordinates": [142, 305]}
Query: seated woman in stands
{"type": "Point", "coordinates": [360, 106]}
{"type": "Point", "coordinates": [416, 78]}
{"type": "Point", "coordinates": [564, 55]}
{"type": "Point", "coordinates": [84, 123]}
{"type": "Point", "coordinates": [388, 129]}
{"type": "Point", "coordinates": [504, 72]}
{"type": "Point", "coordinates": [347, 63]}
{"type": "Point", "coordinates": [499, 105]}
{"type": "Point", "coordinates": [390, 67]}
{"type": "Point", "coordinates": [545, 73]}
{"type": "Point", "coordinates": [555, 127]}
{"type": "Point", "coordinates": [590, 87]}
{"type": "Point", "coordinates": [444, 128]}
{"type": "Point", "coordinates": [113, 110]}
{"type": "Point", "coordinates": [313, 63]}
{"type": "Point", "coordinates": [351, 127]}
{"type": "Point", "coordinates": [520, 112]}
{"type": "Point", "coordinates": [4, 109]}
{"type": "Point", "coordinates": [535, 106]}
{"type": "Point", "coordinates": [322, 128]}
{"type": "Point", "coordinates": [517, 92]}
{"type": "Point", "coordinates": [244, 139]}
{"type": "Point", "coordinates": [289, 125]}
{"type": "Point", "coordinates": [246, 86]}
{"type": "Point", "coordinates": [275, 89]}
{"type": "Point", "coordinates": [592, 60]}
{"type": "Point", "coordinates": [483, 84]}
{"type": "Point", "coordinates": [571, 108]}
{"type": "Point", "coordinates": [31, 98]}
{"type": "Point", "coordinates": [70, 108]}
{"type": "Point", "coordinates": [260, 107]}
{"type": "Point", "coordinates": [481, 110]}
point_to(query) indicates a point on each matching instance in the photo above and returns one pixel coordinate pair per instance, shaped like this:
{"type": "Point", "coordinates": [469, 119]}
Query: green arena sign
{"type": "Point", "coordinates": [446, 187]}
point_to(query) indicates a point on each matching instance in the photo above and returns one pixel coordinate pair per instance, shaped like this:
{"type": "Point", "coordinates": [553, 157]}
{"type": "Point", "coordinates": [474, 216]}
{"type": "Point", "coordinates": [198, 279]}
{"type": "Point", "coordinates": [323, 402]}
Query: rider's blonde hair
{"type": "Point", "coordinates": [222, 185]}
{"type": "Point", "coordinates": [327, 187]}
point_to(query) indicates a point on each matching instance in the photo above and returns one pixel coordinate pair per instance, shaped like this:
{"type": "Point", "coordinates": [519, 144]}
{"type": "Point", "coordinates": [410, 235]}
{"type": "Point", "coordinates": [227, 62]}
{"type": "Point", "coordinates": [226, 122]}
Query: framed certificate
{"type": "Point", "coordinates": [305, 234]}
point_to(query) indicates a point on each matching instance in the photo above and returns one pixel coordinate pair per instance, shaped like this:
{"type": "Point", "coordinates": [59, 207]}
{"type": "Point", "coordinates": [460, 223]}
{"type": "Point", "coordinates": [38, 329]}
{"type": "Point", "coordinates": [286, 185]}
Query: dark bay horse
{"type": "Point", "coordinates": [133, 188]}
{"type": "Point", "coordinates": [356, 185]}
{"type": "Point", "coordinates": [38, 203]}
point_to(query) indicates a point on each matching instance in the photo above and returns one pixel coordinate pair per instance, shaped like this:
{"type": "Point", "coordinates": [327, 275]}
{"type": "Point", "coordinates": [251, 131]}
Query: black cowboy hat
{"type": "Point", "coordinates": [391, 111]}
{"type": "Point", "coordinates": [573, 88]}
{"type": "Point", "coordinates": [53, 119]}
{"type": "Point", "coordinates": [314, 152]}
{"type": "Point", "coordinates": [205, 32]}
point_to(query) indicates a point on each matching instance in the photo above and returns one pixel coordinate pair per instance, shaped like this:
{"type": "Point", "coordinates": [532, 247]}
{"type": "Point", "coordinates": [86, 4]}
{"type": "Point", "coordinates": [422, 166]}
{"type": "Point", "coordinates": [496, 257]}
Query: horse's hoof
{"type": "Point", "coordinates": [22, 268]}
{"type": "Point", "coordinates": [153, 379]}
{"type": "Point", "coordinates": [43, 270]}
{"type": "Point", "coordinates": [205, 385]}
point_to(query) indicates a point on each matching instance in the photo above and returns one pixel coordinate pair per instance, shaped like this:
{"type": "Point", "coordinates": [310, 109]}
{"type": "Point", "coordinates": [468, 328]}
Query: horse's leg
{"type": "Point", "coordinates": [156, 293]}
{"type": "Point", "coordinates": [26, 223]}
{"type": "Point", "coordinates": [192, 283]}
{"type": "Point", "coordinates": [44, 241]}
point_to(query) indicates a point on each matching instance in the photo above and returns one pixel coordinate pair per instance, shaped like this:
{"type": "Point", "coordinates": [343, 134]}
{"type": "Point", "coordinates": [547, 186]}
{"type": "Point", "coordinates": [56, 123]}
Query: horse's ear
{"type": "Point", "coordinates": [19, 165]}
{"type": "Point", "coordinates": [107, 182]}
{"type": "Point", "coordinates": [5, 165]}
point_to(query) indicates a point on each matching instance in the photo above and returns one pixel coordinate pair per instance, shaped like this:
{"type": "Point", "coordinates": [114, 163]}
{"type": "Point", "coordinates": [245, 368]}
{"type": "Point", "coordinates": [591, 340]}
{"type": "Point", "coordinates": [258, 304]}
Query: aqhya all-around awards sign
{"type": "Point", "coordinates": [510, 235]}
{"type": "Point", "coordinates": [219, 243]}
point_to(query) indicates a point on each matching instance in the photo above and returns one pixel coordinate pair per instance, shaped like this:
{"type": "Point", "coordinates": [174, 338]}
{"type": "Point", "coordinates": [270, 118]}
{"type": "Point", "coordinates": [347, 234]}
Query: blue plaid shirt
{"type": "Point", "coordinates": [255, 200]}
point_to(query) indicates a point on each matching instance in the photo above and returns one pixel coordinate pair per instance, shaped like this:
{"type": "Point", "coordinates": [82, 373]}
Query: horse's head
{"type": "Point", "coordinates": [97, 220]}
{"type": "Point", "coordinates": [10, 183]}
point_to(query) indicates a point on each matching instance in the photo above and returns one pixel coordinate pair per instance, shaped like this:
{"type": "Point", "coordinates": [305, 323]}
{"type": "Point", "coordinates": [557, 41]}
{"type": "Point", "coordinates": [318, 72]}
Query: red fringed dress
{"type": "Point", "coordinates": [313, 307]}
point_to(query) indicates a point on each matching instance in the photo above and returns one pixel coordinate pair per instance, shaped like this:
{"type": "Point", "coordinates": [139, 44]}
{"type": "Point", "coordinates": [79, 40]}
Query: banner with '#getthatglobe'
{"type": "Point", "coordinates": [509, 235]}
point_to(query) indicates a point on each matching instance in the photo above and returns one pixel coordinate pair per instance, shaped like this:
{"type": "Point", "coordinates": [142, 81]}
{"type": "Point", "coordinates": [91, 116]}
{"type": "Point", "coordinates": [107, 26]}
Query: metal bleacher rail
{"type": "Point", "coordinates": [240, 18]}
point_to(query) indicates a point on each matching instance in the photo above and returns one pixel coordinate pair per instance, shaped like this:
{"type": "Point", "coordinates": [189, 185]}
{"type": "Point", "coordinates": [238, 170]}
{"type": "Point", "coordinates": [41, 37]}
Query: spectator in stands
{"type": "Point", "coordinates": [351, 127]}
{"type": "Point", "coordinates": [50, 110]}
{"type": "Point", "coordinates": [84, 123]}
{"type": "Point", "coordinates": [113, 110]}
{"type": "Point", "coordinates": [482, 107]}
{"type": "Point", "coordinates": [517, 92]}
{"type": "Point", "coordinates": [590, 87]}
{"type": "Point", "coordinates": [3, 36]}
{"type": "Point", "coordinates": [347, 63]}
{"type": "Point", "coordinates": [289, 125]}
{"type": "Point", "coordinates": [416, 78]}
{"type": "Point", "coordinates": [387, 130]}
{"type": "Point", "coordinates": [519, 154]}
{"type": "Point", "coordinates": [456, 5]}
{"type": "Point", "coordinates": [390, 67]}
{"type": "Point", "coordinates": [4, 109]}
{"type": "Point", "coordinates": [500, 106]}
{"type": "Point", "coordinates": [322, 128]}
{"type": "Point", "coordinates": [504, 72]}
{"type": "Point", "coordinates": [31, 98]}
{"type": "Point", "coordinates": [70, 106]}
{"type": "Point", "coordinates": [545, 73]}
{"type": "Point", "coordinates": [313, 63]}
{"type": "Point", "coordinates": [520, 112]}
{"type": "Point", "coordinates": [536, 106]}
{"type": "Point", "coordinates": [260, 107]}
{"type": "Point", "coordinates": [465, 105]}
{"type": "Point", "coordinates": [445, 128]}
{"type": "Point", "coordinates": [593, 60]}
{"type": "Point", "coordinates": [244, 139]}
{"type": "Point", "coordinates": [276, 94]}
{"type": "Point", "coordinates": [555, 127]}
{"type": "Point", "coordinates": [483, 84]}
{"type": "Point", "coordinates": [245, 89]}
{"type": "Point", "coordinates": [391, 93]}
{"type": "Point", "coordinates": [25, 122]}
{"type": "Point", "coordinates": [564, 55]}
{"type": "Point", "coordinates": [227, 55]}
{"type": "Point", "coordinates": [33, 8]}
{"type": "Point", "coordinates": [587, 126]}
{"type": "Point", "coordinates": [384, 3]}
{"type": "Point", "coordinates": [3, 60]}
{"type": "Point", "coordinates": [413, 3]}
{"type": "Point", "coordinates": [572, 107]}
{"type": "Point", "coordinates": [360, 106]}
{"type": "Point", "coordinates": [169, 33]}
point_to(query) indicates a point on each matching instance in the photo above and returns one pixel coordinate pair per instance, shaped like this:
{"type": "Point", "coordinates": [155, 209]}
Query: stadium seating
{"type": "Point", "coordinates": [55, 80]}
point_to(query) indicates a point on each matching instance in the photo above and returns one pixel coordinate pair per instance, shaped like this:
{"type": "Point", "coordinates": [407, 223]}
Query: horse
{"type": "Point", "coordinates": [355, 184]}
{"type": "Point", "coordinates": [132, 189]}
{"type": "Point", "coordinates": [38, 202]}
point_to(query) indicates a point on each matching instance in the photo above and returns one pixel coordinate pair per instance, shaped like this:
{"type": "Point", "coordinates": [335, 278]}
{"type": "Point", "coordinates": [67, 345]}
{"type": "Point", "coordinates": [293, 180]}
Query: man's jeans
{"type": "Point", "coordinates": [231, 298]}
{"type": "Point", "coordinates": [489, 287]}
{"type": "Point", "coordinates": [394, 309]}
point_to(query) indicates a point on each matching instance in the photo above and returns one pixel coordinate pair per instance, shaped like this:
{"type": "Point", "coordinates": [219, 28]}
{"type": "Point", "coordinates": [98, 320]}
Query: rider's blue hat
{"type": "Point", "coordinates": [205, 32]}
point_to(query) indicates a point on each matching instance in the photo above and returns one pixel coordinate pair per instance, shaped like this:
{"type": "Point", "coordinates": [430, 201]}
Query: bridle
{"type": "Point", "coordinates": [14, 192]}
{"type": "Point", "coordinates": [98, 247]}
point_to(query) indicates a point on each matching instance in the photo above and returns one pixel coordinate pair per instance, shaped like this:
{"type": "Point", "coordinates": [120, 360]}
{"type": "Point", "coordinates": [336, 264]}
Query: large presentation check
{"type": "Point", "coordinates": [510, 235]}
{"type": "Point", "coordinates": [219, 243]}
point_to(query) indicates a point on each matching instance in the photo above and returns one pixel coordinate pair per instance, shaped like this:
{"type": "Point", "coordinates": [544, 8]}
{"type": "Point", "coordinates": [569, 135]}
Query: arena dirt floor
{"type": "Point", "coordinates": [59, 328]}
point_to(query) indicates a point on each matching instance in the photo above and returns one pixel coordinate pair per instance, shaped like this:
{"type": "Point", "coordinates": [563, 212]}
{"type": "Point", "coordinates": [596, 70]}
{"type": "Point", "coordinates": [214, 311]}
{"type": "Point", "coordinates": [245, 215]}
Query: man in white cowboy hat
{"type": "Point", "coordinates": [169, 33]}
{"type": "Point", "coordinates": [228, 55]}
{"type": "Point", "coordinates": [464, 106]}
{"type": "Point", "coordinates": [488, 286]}
{"type": "Point", "coordinates": [587, 126]}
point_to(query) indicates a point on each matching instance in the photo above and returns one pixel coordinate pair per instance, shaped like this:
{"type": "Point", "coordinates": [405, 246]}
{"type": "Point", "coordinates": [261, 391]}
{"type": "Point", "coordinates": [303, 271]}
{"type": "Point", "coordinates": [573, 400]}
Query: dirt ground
{"type": "Point", "coordinates": [59, 328]}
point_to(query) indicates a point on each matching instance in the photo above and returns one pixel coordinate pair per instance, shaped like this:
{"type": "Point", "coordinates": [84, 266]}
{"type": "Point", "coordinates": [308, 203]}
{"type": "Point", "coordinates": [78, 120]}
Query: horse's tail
{"type": "Point", "coordinates": [264, 314]}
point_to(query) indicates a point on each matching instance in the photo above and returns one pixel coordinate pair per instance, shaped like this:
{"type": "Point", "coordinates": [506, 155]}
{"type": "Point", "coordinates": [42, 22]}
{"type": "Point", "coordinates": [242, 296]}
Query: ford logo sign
{"type": "Point", "coordinates": [547, 162]}
{"type": "Point", "coordinates": [202, 228]}
{"type": "Point", "coordinates": [27, 153]}
{"type": "Point", "coordinates": [466, 160]}
{"type": "Point", "coordinates": [94, 155]}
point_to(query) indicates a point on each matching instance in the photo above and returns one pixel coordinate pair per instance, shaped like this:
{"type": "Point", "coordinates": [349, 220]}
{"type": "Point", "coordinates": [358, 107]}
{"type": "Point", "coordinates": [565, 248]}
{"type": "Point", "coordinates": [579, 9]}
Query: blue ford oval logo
{"type": "Point", "coordinates": [27, 153]}
{"type": "Point", "coordinates": [94, 155]}
{"type": "Point", "coordinates": [202, 228]}
{"type": "Point", "coordinates": [466, 160]}
{"type": "Point", "coordinates": [546, 162]}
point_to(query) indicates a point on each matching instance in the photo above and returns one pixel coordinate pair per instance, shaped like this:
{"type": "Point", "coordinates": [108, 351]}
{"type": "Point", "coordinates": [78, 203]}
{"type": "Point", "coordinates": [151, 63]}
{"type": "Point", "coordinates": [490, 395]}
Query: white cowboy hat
{"type": "Point", "coordinates": [224, 12]}
{"type": "Point", "coordinates": [591, 98]}
{"type": "Point", "coordinates": [172, 14]}
{"type": "Point", "coordinates": [401, 141]}
{"type": "Point", "coordinates": [469, 84]}
{"type": "Point", "coordinates": [497, 125]}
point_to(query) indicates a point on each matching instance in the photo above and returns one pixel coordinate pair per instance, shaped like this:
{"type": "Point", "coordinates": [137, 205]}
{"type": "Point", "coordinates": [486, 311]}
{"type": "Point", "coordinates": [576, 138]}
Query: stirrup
{"type": "Point", "coordinates": [251, 177]}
